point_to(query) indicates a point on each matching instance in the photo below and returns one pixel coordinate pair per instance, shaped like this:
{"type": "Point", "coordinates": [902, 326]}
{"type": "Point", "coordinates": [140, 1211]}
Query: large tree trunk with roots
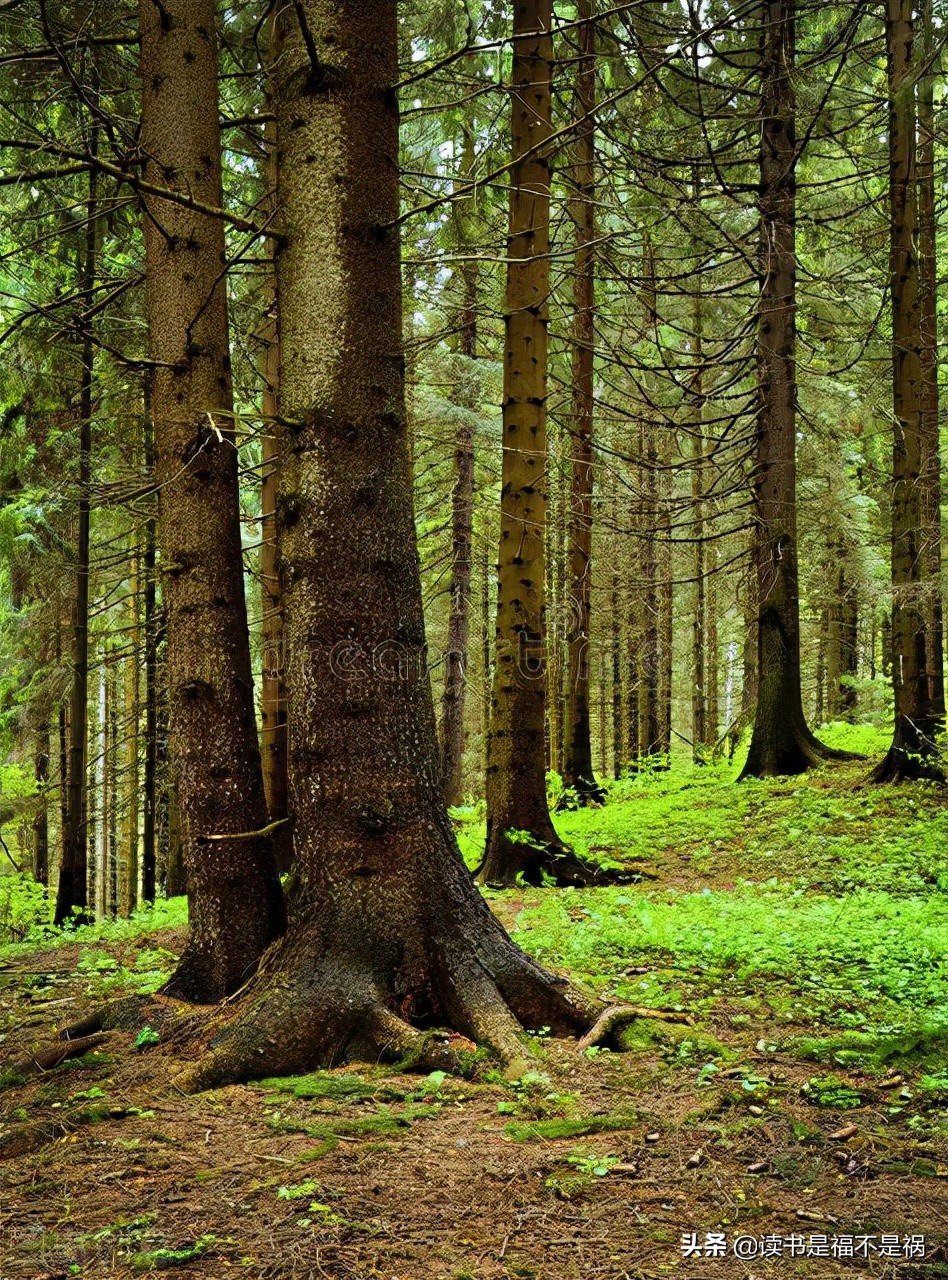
{"type": "Point", "coordinates": [577, 760]}
{"type": "Point", "coordinates": [782, 742]}
{"type": "Point", "coordinates": [915, 722]}
{"type": "Point", "coordinates": [521, 839]}
{"type": "Point", "coordinates": [235, 900]}
{"type": "Point", "coordinates": [388, 936]}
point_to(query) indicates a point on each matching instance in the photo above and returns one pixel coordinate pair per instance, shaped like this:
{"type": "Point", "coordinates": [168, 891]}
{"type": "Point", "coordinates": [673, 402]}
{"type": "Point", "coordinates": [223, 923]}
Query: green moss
{"type": "Point", "coordinates": [384, 1121]}
{"type": "Point", "coordinates": [551, 1130]}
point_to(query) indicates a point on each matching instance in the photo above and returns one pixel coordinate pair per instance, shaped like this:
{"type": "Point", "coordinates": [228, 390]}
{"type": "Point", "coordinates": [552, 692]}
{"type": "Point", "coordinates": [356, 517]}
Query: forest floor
{"type": "Point", "coordinates": [801, 1119]}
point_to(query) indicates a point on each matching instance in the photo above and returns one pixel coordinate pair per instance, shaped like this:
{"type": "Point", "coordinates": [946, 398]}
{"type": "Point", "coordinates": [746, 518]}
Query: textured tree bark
{"type": "Point", "coordinates": [703, 737]}
{"type": "Point", "coordinates": [578, 772]}
{"type": "Point", "coordinates": [388, 936]}
{"type": "Point", "coordinates": [931, 530]}
{"type": "Point", "coordinates": [666, 606]}
{"type": "Point", "coordinates": [841, 645]}
{"type": "Point", "coordinates": [521, 840]}
{"type": "Point", "coordinates": [782, 742]}
{"type": "Point", "coordinates": [129, 861]}
{"type": "Point", "coordinates": [462, 515]}
{"type": "Point", "coordinates": [273, 685]}
{"type": "Point", "coordinates": [650, 662]}
{"type": "Point", "coordinates": [235, 900]}
{"type": "Point", "coordinates": [41, 753]}
{"type": "Point", "coordinates": [915, 722]}
{"type": "Point", "coordinates": [150, 634]}
{"type": "Point", "coordinates": [72, 889]}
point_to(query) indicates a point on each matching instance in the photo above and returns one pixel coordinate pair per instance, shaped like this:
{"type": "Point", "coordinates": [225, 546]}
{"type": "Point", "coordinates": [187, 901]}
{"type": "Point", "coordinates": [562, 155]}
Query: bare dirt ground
{"type": "Point", "coordinates": [585, 1168]}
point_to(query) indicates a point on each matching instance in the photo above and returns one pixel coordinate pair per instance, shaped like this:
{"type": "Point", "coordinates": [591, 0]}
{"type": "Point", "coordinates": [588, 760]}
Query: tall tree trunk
{"type": "Point", "coordinates": [666, 604]}
{"type": "Point", "coordinates": [129, 861]}
{"type": "Point", "coordinates": [577, 759]}
{"type": "Point", "coordinates": [462, 512]}
{"type": "Point", "coordinates": [782, 742]}
{"type": "Point", "coordinates": [41, 753]}
{"type": "Point", "coordinates": [273, 684]}
{"type": "Point", "coordinates": [841, 646]}
{"type": "Point", "coordinates": [72, 890]}
{"type": "Point", "coordinates": [931, 531]}
{"type": "Point", "coordinates": [235, 900]}
{"type": "Point", "coordinates": [521, 840]}
{"type": "Point", "coordinates": [150, 629]}
{"type": "Point", "coordinates": [650, 662]}
{"type": "Point", "coordinates": [915, 721]}
{"type": "Point", "coordinates": [388, 934]}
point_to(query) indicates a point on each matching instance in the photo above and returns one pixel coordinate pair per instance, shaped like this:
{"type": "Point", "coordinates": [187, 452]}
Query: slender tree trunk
{"type": "Point", "coordinates": [71, 892]}
{"type": "Point", "coordinates": [273, 684]}
{"type": "Point", "coordinates": [931, 531]}
{"type": "Point", "coordinates": [915, 721]}
{"type": "Point", "coordinates": [388, 934]}
{"type": "Point", "coordinates": [462, 514]}
{"type": "Point", "coordinates": [521, 840]}
{"type": "Point", "coordinates": [577, 761]}
{"type": "Point", "coordinates": [841, 644]}
{"type": "Point", "coordinates": [128, 878]}
{"type": "Point", "coordinates": [782, 742]}
{"type": "Point", "coordinates": [41, 752]}
{"type": "Point", "coordinates": [665, 611]}
{"type": "Point", "coordinates": [703, 735]}
{"type": "Point", "coordinates": [235, 901]}
{"type": "Point", "coordinates": [650, 662]}
{"type": "Point", "coordinates": [711, 644]}
{"type": "Point", "coordinates": [150, 630]}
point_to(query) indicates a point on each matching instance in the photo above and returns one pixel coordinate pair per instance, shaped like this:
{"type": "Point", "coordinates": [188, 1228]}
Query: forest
{"type": "Point", "coordinates": [472, 700]}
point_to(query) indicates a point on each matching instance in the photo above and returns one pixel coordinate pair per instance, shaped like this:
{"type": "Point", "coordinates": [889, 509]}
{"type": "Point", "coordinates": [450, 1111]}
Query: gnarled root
{"type": "Point", "coordinates": [47, 1059]}
{"type": "Point", "coordinates": [128, 1014]}
{"type": "Point", "coordinates": [618, 1015]}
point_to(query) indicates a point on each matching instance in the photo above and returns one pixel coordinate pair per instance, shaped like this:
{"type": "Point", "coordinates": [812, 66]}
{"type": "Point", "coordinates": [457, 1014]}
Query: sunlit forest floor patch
{"type": "Point", "coordinates": [803, 928]}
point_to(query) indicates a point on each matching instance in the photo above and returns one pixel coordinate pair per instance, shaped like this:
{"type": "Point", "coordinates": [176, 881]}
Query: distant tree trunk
{"type": "Point", "coordinates": [819, 709]}
{"type": "Point", "coordinates": [72, 890]}
{"type": "Point", "coordinates": [666, 604]}
{"type": "Point", "coordinates": [711, 643]}
{"type": "Point", "coordinates": [41, 752]}
{"type": "Point", "coordinates": [462, 515]}
{"type": "Point", "coordinates": [577, 757]}
{"type": "Point", "coordinates": [931, 531]}
{"type": "Point", "coordinates": [128, 877]}
{"type": "Point", "coordinates": [273, 684]}
{"type": "Point", "coordinates": [915, 721]}
{"type": "Point", "coordinates": [235, 900]}
{"type": "Point", "coordinates": [388, 934]}
{"type": "Point", "coordinates": [650, 665]}
{"type": "Point", "coordinates": [703, 734]}
{"type": "Point", "coordinates": [782, 742]}
{"type": "Point", "coordinates": [150, 632]}
{"type": "Point", "coordinates": [841, 645]}
{"type": "Point", "coordinates": [557, 604]}
{"type": "Point", "coordinates": [516, 774]}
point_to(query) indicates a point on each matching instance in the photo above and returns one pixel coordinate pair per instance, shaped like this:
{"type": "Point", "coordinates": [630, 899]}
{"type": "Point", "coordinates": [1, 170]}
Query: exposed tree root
{"type": "Point", "coordinates": [581, 794]}
{"type": "Point", "coordinates": [47, 1059]}
{"type": "Point", "coordinates": [618, 1015]}
{"type": "Point", "coordinates": [128, 1014]}
{"type": "Point", "coordinates": [512, 859]}
{"type": "Point", "coordinates": [23, 1139]}
{"type": "Point", "coordinates": [789, 750]}
{"type": "Point", "coordinates": [901, 765]}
